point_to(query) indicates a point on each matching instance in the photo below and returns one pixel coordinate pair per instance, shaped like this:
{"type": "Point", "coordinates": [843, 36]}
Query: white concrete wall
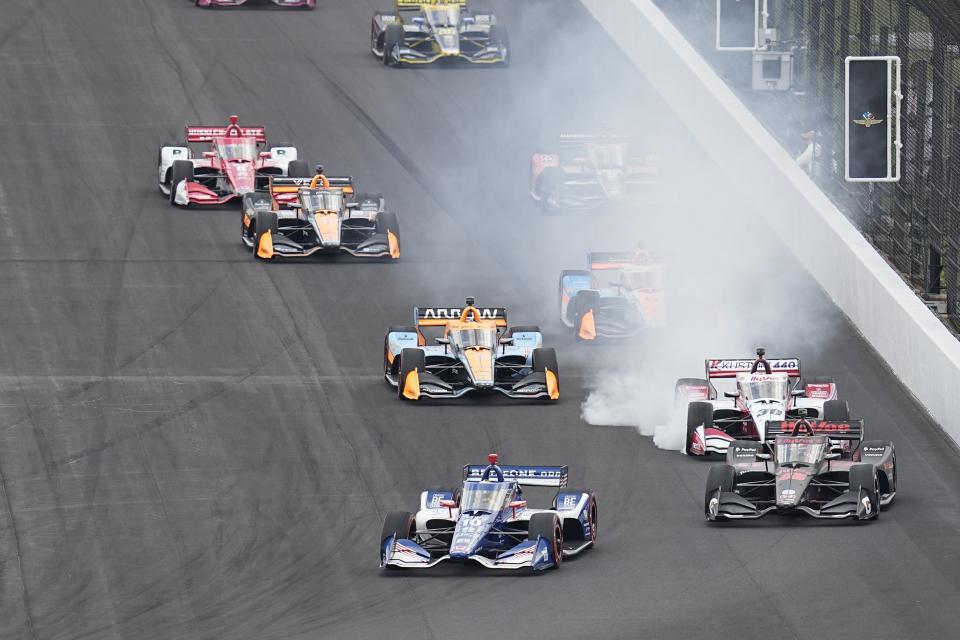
{"type": "Point", "coordinates": [917, 347]}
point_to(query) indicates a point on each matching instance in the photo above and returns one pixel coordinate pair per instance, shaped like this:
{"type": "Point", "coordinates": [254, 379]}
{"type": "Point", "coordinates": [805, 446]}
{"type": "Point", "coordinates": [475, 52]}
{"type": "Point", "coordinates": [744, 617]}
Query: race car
{"type": "Point", "coordinates": [621, 295]}
{"type": "Point", "coordinates": [424, 31]}
{"type": "Point", "coordinates": [477, 352]}
{"type": "Point", "coordinates": [762, 390]}
{"type": "Point", "coordinates": [488, 522]}
{"type": "Point", "coordinates": [238, 161]}
{"type": "Point", "coordinates": [797, 470]}
{"type": "Point", "coordinates": [300, 217]}
{"type": "Point", "coordinates": [308, 4]}
{"type": "Point", "coordinates": [590, 170]}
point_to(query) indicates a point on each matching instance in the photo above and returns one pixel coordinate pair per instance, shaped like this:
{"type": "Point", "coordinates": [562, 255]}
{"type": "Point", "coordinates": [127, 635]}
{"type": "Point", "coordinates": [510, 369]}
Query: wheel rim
{"type": "Point", "coordinates": [558, 542]}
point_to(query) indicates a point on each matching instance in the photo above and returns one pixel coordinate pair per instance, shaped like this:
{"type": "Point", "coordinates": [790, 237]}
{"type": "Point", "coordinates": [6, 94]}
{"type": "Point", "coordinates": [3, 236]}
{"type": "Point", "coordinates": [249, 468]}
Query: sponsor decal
{"type": "Point", "coordinates": [874, 452]}
{"type": "Point", "coordinates": [453, 313]}
{"type": "Point", "coordinates": [789, 364]}
{"type": "Point", "coordinates": [819, 426]}
{"type": "Point", "coordinates": [570, 501]}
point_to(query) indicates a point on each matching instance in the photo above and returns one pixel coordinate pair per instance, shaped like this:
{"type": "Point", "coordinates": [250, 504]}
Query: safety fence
{"type": "Point", "coordinates": [914, 223]}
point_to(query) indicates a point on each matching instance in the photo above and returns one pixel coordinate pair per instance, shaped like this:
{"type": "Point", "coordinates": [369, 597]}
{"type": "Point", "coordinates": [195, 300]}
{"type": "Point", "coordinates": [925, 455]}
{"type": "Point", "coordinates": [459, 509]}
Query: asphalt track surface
{"type": "Point", "coordinates": [197, 445]}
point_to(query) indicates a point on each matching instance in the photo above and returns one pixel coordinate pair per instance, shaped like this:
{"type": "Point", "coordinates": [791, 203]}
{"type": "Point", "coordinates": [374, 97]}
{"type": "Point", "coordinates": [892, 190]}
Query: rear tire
{"type": "Point", "coordinates": [265, 221]}
{"type": "Point", "coordinates": [864, 476]}
{"type": "Point", "coordinates": [298, 169]}
{"type": "Point", "coordinates": [583, 303]}
{"type": "Point", "coordinates": [836, 411]}
{"type": "Point", "coordinates": [698, 413]}
{"type": "Point", "coordinates": [591, 516]}
{"type": "Point", "coordinates": [392, 37]}
{"type": "Point", "coordinates": [546, 358]}
{"type": "Point", "coordinates": [180, 170]}
{"type": "Point", "coordinates": [410, 359]}
{"type": "Point", "coordinates": [548, 526]}
{"type": "Point", "coordinates": [522, 328]}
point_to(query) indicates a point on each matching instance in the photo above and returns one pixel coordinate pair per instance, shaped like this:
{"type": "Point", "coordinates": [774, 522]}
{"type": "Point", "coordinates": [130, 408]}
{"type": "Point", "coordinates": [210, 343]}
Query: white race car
{"type": "Point", "coordinates": [754, 392]}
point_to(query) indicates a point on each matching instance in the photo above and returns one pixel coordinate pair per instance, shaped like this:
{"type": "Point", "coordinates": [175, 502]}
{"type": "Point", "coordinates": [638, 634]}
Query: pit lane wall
{"type": "Point", "coordinates": [918, 348]}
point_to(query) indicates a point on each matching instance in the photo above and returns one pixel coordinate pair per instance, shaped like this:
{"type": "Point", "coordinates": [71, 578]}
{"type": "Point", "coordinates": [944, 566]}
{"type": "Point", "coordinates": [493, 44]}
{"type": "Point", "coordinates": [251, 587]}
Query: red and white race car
{"type": "Point", "coordinates": [754, 392]}
{"type": "Point", "coordinates": [237, 161]}
{"type": "Point", "coordinates": [307, 4]}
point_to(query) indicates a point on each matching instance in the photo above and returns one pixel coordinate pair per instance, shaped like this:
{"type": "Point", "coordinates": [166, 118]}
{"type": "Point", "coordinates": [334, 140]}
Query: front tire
{"type": "Point", "coordinates": [499, 37]}
{"type": "Point", "coordinates": [698, 414]}
{"type": "Point", "coordinates": [392, 39]}
{"type": "Point", "coordinates": [399, 524]}
{"type": "Point", "coordinates": [265, 222]}
{"type": "Point", "coordinates": [180, 170]}
{"type": "Point", "coordinates": [410, 360]}
{"type": "Point", "coordinates": [864, 477]}
{"type": "Point", "coordinates": [586, 305]}
{"type": "Point", "coordinates": [720, 479]}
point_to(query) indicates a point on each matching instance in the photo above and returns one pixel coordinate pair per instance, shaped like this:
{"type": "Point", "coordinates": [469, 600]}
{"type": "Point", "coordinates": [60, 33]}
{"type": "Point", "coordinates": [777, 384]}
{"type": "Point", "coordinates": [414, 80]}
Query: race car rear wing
{"type": "Point", "coordinates": [207, 134]}
{"type": "Point", "coordinates": [525, 475]}
{"type": "Point", "coordinates": [439, 316]}
{"type": "Point", "coordinates": [605, 260]}
{"type": "Point", "coordinates": [574, 139]}
{"type": "Point", "coordinates": [292, 185]}
{"type": "Point", "coordinates": [407, 5]}
{"type": "Point", "coordinates": [717, 368]}
{"type": "Point", "coordinates": [846, 430]}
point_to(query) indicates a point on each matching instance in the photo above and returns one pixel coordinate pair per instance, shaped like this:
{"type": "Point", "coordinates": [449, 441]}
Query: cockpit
{"type": "Point", "coordinates": [481, 335]}
{"type": "Point", "coordinates": [236, 149]}
{"type": "Point", "coordinates": [607, 156]}
{"type": "Point", "coordinates": [489, 497]}
{"type": "Point", "coordinates": [755, 386]}
{"type": "Point", "coordinates": [805, 450]}
{"type": "Point", "coordinates": [442, 15]}
{"type": "Point", "coordinates": [314, 200]}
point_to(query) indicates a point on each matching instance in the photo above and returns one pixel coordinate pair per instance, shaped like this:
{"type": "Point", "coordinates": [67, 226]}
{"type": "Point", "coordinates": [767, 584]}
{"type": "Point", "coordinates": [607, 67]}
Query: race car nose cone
{"type": "Point", "coordinates": [449, 44]}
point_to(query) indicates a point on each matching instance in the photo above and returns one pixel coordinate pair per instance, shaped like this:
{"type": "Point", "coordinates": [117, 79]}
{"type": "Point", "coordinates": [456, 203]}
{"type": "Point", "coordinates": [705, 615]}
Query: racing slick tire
{"type": "Point", "coordinates": [720, 479]}
{"type": "Point", "coordinates": [698, 413]}
{"type": "Point", "coordinates": [388, 224]}
{"type": "Point", "coordinates": [387, 363]}
{"type": "Point", "coordinates": [499, 37]}
{"type": "Point", "coordinates": [566, 273]}
{"type": "Point", "coordinates": [388, 221]}
{"type": "Point", "coordinates": [545, 358]}
{"type": "Point", "coordinates": [522, 328]}
{"type": "Point", "coordinates": [688, 382]}
{"type": "Point", "coordinates": [836, 411]}
{"type": "Point", "coordinates": [298, 169]}
{"type": "Point", "coordinates": [548, 185]}
{"type": "Point", "coordinates": [549, 526]}
{"type": "Point", "coordinates": [180, 170]}
{"type": "Point", "coordinates": [410, 360]}
{"type": "Point", "coordinates": [864, 476]}
{"type": "Point", "coordinates": [266, 221]}
{"type": "Point", "coordinates": [399, 524]}
{"type": "Point", "coordinates": [586, 304]}
{"type": "Point", "coordinates": [574, 531]}
{"type": "Point", "coordinates": [392, 37]}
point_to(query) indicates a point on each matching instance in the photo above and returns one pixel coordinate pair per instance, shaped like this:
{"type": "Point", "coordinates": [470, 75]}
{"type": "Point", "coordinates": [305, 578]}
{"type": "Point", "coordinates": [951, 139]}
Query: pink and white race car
{"type": "Point", "coordinates": [754, 392]}
{"type": "Point", "coordinates": [238, 161]}
{"type": "Point", "coordinates": [307, 4]}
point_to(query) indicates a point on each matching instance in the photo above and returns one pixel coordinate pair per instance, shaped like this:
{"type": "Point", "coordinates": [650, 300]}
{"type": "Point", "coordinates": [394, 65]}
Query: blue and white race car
{"type": "Point", "coordinates": [477, 351]}
{"type": "Point", "coordinates": [489, 522]}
